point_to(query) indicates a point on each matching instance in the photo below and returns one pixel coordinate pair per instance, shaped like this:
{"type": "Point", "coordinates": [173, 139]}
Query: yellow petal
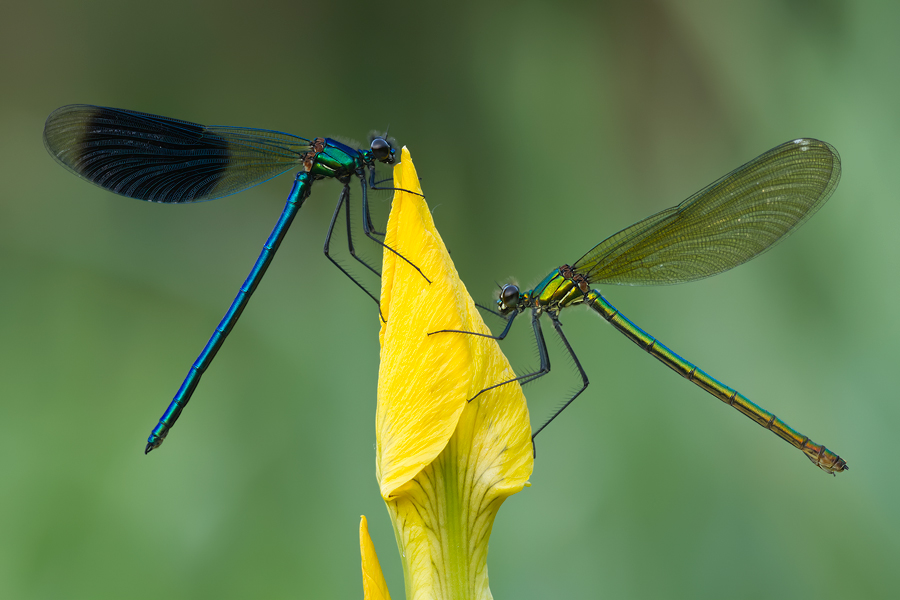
{"type": "Point", "coordinates": [374, 585]}
{"type": "Point", "coordinates": [444, 464]}
{"type": "Point", "coordinates": [424, 382]}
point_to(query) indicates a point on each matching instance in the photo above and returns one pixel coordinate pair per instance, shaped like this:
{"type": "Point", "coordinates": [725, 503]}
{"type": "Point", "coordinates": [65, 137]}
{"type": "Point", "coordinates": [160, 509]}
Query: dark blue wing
{"type": "Point", "coordinates": [159, 159]}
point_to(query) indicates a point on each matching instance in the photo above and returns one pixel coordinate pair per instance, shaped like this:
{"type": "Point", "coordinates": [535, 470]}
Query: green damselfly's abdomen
{"type": "Point", "coordinates": [821, 456]}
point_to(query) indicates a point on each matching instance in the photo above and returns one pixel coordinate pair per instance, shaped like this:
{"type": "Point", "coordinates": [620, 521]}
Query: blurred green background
{"type": "Point", "coordinates": [538, 130]}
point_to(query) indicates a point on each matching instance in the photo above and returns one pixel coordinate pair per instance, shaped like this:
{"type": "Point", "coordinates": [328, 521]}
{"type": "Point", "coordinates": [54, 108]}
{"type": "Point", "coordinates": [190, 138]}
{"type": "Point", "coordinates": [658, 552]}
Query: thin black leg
{"type": "Point", "coordinates": [369, 232]}
{"type": "Point", "coordinates": [509, 322]}
{"type": "Point", "coordinates": [542, 352]}
{"type": "Point", "coordinates": [367, 214]}
{"type": "Point", "coordinates": [490, 310]}
{"type": "Point", "coordinates": [584, 379]}
{"type": "Point", "coordinates": [375, 185]}
{"type": "Point", "coordinates": [350, 246]}
{"type": "Point", "coordinates": [345, 194]}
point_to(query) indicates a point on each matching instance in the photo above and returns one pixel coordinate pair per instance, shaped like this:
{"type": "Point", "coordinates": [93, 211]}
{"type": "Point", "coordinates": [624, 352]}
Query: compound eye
{"type": "Point", "coordinates": [381, 150]}
{"type": "Point", "coordinates": [509, 295]}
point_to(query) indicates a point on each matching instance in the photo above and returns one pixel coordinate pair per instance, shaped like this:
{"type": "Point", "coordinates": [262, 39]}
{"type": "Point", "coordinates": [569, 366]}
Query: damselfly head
{"type": "Point", "coordinates": [382, 150]}
{"type": "Point", "coordinates": [509, 298]}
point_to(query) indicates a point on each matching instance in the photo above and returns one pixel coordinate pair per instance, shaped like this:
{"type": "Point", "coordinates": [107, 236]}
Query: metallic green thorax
{"type": "Point", "coordinates": [338, 160]}
{"type": "Point", "coordinates": [554, 292]}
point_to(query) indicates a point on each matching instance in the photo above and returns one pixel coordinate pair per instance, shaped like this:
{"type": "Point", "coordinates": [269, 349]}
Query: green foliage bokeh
{"type": "Point", "coordinates": [538, 130]}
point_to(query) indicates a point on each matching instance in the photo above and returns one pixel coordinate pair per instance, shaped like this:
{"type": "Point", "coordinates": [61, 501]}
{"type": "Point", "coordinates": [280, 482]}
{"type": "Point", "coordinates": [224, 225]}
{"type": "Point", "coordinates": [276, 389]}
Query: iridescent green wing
{"type": "Point", "coordinates": [159, 159]}
{"type": "Point", "coordinates": [723, 225]}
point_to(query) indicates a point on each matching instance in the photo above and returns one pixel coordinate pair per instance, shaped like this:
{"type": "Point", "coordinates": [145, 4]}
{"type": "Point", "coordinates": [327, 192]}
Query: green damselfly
{"type": "Point", "coordinates": [724, 225]}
